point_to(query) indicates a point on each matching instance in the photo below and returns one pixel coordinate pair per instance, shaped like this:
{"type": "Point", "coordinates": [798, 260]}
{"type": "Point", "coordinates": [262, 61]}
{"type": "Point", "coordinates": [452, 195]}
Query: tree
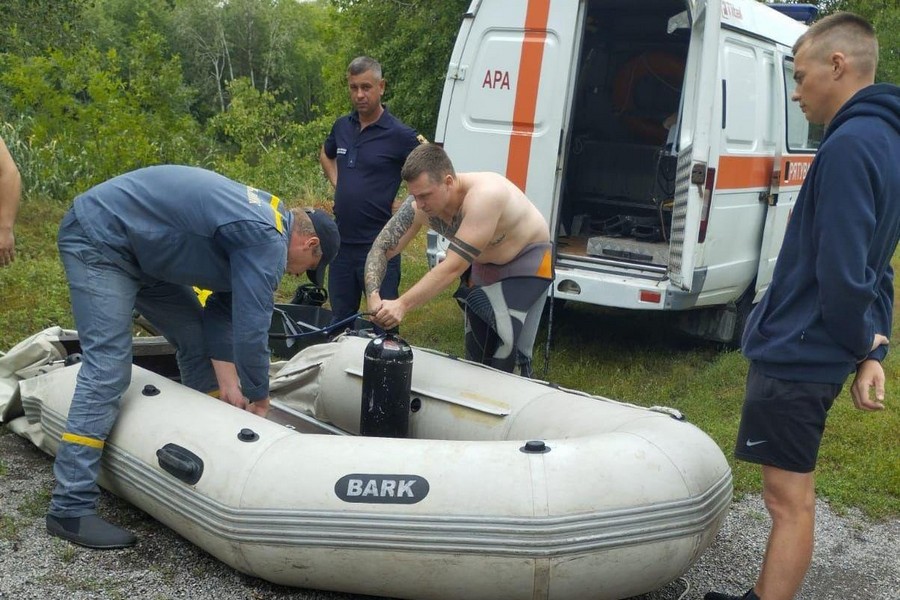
{"type": "Point", "coordinates": [884, 16]}
{"type": "Point", "coordinates": [273, 43]}
{"type": "Point", "coordinates": [30, 27]}
{"type": "Point", "coordinates": [84, 118]}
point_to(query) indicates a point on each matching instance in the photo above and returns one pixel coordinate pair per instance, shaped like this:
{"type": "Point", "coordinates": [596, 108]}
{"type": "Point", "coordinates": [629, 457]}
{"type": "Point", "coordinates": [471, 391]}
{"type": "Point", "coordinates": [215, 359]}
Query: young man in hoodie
{"type": "Point", "coordinates": [827, 312]}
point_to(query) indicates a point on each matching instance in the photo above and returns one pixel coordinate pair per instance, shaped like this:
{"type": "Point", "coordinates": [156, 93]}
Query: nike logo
{"type": "Point", "coordinates": [750, 444]}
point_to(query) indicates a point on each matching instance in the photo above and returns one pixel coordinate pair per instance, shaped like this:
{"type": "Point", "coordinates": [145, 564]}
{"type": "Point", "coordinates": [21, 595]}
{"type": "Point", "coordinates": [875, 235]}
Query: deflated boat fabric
{"type": "Point", "coordinates": [26, 359]}
{"type": "Point", "coordinates": [42, 352]}
{"type": "Point", "coordinates": [32, 356]}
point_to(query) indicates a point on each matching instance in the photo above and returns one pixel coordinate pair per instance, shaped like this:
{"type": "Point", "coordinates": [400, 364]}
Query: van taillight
{"type": "Point", "coordinates": [707, 199]}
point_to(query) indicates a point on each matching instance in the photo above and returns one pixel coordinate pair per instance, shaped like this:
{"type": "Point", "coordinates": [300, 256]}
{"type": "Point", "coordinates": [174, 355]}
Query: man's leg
{"type": "Point", "coordinates": [390, 285]}
{"type": "Point", "coordinates": [344, 291]}
{"type": "Point", "coordinates": [791, 501]}
{"type": "Point", "coordinates": [102, 302]}
{"type": "Point", "coordinates": [175, 311]}
{"type": "Point", "coordinates": [481, 340]}
{"type": "Point", "coordinates": [526, 337]}
{"type": "Point", "coordinates": [782, 423]}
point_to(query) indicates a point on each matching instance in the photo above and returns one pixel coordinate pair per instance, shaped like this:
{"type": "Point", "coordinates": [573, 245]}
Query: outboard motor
{"type": "Point", "coordinates": [387, 378]}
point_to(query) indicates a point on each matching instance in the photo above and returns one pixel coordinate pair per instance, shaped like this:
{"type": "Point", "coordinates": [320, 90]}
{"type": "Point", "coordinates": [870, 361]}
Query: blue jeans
{"type": "Point", "coordinates": [103, 296]}
{"type": "Point", "coordinates": [346, 280]}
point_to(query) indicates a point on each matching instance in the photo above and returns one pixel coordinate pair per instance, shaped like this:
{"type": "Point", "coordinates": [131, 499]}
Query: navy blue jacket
{"type": "Point", "coordinates": [832, 289]}
{"type": "Point", "coordinates": [190, 226]}
{"type": "Point", "coordinates": [368, 173]}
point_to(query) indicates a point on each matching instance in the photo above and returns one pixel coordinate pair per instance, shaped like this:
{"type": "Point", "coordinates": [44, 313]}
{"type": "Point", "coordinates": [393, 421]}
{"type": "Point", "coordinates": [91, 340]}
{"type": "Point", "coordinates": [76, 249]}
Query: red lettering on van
{"type": "Point", "coordinates": [730, 10]}
{"type": "Point", "coordinates": [798, 171]}
{"type": "Point", "coordinates": [496, 79]}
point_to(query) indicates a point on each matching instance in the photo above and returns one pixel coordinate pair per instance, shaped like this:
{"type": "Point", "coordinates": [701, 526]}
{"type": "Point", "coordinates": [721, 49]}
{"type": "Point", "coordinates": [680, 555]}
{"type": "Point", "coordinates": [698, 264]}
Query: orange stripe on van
{"type": "Point", "coordinates": [737, 172]}
{"type": "Point", "coordinates": [529, 78]}
{"type": "Point", "coordinates": [740, 172]}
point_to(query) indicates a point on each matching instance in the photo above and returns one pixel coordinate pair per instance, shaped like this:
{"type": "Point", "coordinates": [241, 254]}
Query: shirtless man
{"type": "Point", "coordinates": [499, 247]}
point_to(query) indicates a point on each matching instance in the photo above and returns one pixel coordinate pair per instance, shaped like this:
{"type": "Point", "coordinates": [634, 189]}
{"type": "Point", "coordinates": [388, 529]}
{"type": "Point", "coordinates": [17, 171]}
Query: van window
{"type": "Point", "coordinates": [801, 135]}
{"type": "Point", "coordinates": [750, 72]}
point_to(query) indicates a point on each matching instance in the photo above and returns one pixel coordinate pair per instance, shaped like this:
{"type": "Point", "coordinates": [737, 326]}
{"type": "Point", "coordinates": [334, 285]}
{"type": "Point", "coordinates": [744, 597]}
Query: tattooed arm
{"type": "Point", "coordinates": [402, 227]}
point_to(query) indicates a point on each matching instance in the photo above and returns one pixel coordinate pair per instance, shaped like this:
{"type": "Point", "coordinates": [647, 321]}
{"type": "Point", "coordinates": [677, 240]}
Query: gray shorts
{"type": "Point", "coordinates": [782, 421]}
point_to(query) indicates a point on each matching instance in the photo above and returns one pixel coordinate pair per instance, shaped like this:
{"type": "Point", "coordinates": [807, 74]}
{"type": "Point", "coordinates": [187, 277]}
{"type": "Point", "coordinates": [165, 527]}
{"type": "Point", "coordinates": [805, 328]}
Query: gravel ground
{"type": "Point", "coordinates": [854, 559]}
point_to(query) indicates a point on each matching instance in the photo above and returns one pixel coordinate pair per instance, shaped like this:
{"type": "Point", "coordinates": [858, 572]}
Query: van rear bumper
{"type": "Point", "coordinates": [620, 290]}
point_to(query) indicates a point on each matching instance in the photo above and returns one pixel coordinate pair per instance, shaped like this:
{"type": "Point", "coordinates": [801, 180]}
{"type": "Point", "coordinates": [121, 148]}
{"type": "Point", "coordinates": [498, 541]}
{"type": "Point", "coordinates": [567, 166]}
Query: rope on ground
{"type": "Point", "coordinates": [687, 588]}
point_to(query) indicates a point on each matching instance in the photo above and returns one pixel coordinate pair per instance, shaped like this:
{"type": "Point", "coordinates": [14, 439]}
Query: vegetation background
{"type": "Point", "coordinates": [90, 89]}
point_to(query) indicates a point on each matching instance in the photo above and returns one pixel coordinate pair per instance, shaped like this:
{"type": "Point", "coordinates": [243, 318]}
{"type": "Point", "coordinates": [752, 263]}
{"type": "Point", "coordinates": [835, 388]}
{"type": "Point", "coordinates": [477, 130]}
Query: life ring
{"type": "Point", "coordinates": [638, 83]}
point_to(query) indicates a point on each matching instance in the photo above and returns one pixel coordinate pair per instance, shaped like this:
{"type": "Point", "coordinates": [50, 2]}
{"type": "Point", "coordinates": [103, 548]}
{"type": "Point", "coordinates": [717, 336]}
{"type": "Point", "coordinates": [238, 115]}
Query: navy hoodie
{"type": "Point", "coordinates": [832, 289]}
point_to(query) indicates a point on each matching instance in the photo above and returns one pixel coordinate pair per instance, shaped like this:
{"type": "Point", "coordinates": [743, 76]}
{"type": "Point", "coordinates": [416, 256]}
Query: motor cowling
{"type": "Point", "coordinates": [387, 379]}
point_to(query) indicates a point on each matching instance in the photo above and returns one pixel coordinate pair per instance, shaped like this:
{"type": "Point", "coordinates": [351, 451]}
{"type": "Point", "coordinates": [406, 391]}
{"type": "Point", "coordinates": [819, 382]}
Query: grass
{"type": "Point", "coordinates": [35, 505]}
{"type": "Point", "coordinates": [634, 357]}
{"type": "Point", "coordinates": [9, 529]}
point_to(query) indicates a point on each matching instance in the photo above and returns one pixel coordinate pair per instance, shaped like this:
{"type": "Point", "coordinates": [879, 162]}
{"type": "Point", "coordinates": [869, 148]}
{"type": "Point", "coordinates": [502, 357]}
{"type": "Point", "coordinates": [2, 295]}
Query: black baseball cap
{"type": "Point", "coordinates": [329, 241]}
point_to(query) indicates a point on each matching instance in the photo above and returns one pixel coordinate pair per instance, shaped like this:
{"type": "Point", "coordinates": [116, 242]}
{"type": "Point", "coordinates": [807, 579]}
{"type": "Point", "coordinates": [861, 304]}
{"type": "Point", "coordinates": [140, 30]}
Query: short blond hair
{"type": "Point", "coordinates": [843, 32]}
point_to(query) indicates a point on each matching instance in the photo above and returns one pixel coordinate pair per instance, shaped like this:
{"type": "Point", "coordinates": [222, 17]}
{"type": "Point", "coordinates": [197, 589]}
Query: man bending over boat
{"type": "Point", "coordinates": [141, 240]}
{"type": "Point", "coordinates": [499, 247]}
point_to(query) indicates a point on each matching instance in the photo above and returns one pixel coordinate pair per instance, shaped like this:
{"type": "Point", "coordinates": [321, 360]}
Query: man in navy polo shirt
{"type": "Point", "coordinates": [362, 158]}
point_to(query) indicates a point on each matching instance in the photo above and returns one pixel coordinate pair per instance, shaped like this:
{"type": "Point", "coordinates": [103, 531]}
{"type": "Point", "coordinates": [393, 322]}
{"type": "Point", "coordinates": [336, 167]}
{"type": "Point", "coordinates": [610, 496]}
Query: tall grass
{"type": "Point", "coordinates": [634, 357]}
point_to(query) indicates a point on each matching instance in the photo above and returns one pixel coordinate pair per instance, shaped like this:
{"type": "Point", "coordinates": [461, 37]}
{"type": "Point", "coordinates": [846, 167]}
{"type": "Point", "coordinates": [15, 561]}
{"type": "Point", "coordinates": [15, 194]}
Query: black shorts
{"type": "Point", "coordinates": [782, 421]}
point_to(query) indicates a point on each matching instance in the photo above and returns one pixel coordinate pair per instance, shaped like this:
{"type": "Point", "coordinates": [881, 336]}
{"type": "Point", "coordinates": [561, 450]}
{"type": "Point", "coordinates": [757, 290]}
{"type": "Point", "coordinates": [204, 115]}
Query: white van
{"type": "Point", "coordinates": [656, 136]}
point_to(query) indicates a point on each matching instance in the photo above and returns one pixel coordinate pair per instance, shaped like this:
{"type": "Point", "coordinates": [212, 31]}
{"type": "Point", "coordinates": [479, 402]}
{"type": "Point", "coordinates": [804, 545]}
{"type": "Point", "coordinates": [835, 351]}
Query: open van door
{"type": "Point", "coordinates": [795, 144]}
{"type": "Point", "coordinates": [508, 89]}
{"type": "Point", "coordinates": [695, 173]}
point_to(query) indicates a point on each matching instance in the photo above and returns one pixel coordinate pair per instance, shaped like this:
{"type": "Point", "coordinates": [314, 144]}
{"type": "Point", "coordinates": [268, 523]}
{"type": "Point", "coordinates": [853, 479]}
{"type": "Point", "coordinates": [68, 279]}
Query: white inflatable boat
{"type": "Point", "coordinates": [506, 488]}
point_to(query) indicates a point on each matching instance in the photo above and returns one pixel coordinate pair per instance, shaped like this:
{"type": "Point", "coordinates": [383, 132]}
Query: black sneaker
{"type": "Point", "coordinates": [90, 531]}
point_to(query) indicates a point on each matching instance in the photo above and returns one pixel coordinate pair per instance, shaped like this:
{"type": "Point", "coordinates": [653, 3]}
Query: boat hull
{"type": "Point", "coordinates": [621, 501]}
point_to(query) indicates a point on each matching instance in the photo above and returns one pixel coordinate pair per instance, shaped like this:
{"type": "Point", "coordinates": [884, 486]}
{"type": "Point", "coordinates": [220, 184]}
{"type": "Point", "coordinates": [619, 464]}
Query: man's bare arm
{"type": "Point", "coordinates": [10, 195]}
{"type": "Point", "coordinates": [390, 242]}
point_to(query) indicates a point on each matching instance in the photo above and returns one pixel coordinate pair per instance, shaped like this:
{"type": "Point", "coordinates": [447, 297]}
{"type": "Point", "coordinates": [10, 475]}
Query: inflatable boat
{"type": "Point", "coordinates": [504, 488]}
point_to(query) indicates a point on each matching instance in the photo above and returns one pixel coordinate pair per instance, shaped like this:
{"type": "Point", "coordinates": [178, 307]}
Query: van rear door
{"type": "Point", "coordinates": [796, 144]}
{"type": "Point", "coordinates": [508, 89]}
{"type": "Point", "coordinates": [694, 179]}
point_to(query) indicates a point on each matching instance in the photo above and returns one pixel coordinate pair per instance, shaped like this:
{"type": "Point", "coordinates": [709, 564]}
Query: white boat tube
{"type": "Point", "coordinates": [608, 500]}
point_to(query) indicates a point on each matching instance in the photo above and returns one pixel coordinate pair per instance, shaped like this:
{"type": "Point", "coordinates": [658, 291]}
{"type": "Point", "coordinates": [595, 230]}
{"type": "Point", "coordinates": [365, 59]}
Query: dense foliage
{"type": "Point", "coordinates": [92, 88]}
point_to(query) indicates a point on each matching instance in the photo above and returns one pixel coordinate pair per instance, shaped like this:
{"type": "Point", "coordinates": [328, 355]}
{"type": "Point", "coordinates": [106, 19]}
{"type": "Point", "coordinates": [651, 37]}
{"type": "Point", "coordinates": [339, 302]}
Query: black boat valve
{"type": "Point", "coordinates": [535, 447]}
{"type": "Point", "coordinates": [247, 435]}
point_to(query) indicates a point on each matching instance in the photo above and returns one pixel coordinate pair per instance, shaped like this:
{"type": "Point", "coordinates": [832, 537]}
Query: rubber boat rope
{"type": "Point", "coordinates": [687, 588]}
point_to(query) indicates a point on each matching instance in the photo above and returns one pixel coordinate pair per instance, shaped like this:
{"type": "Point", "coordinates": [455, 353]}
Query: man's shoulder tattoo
{"type": "Point", "coordinates": [447, 230]}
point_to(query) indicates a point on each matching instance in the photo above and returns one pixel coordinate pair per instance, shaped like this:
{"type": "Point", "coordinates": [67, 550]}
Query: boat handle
{"type": "Point", "coordinates": [180, 462]}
